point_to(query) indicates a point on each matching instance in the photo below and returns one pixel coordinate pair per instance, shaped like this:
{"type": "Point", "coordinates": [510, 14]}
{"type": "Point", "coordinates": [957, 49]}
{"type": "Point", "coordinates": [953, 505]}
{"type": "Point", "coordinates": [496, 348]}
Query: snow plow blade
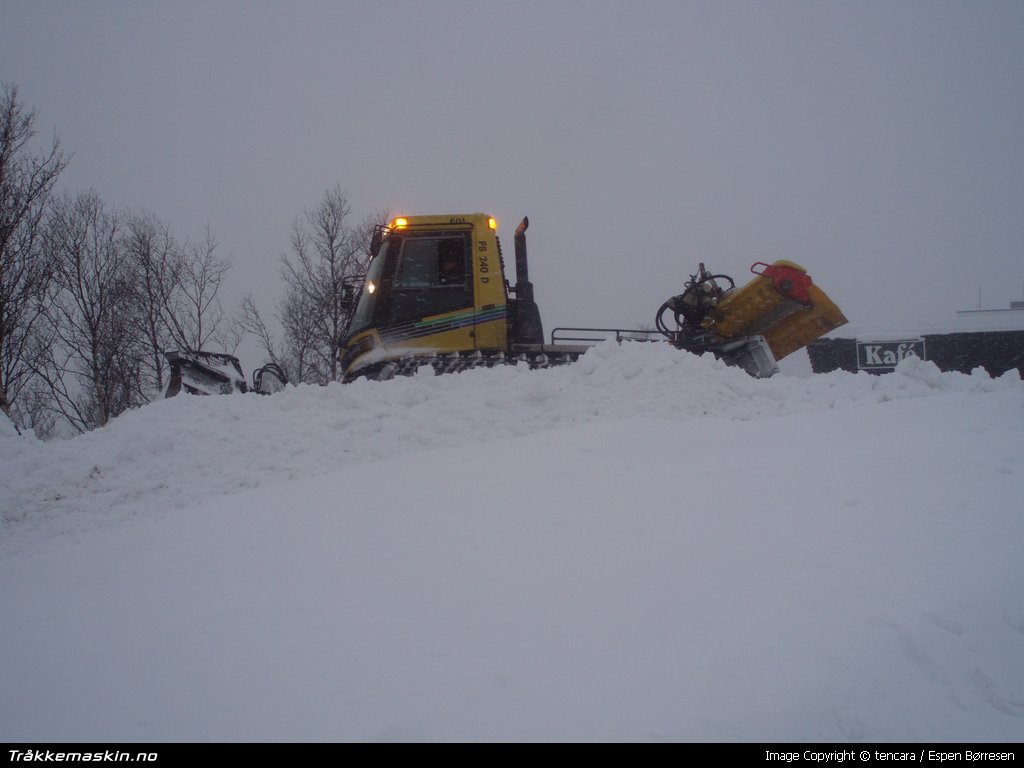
{"type": "Point", "coordinates": [216, 373]}
{"type": "Point", "coordinates": [204, 373]}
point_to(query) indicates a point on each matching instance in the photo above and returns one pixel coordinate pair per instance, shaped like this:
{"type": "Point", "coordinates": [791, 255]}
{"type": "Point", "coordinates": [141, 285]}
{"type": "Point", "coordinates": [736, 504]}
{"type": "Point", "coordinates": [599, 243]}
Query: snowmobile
{"type": "Point", "coordinates": [436, 293]}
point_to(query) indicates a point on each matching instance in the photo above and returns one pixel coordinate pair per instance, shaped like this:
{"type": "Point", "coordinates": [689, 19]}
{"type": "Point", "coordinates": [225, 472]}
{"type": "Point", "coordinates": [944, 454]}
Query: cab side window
{"type": "Point", "coordinates": [451, 262]}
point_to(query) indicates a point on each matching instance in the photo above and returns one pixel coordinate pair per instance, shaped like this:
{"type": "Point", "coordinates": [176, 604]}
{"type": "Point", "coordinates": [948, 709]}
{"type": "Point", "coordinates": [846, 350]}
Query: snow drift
{"type": "Point", "coordinates": [645, 545]}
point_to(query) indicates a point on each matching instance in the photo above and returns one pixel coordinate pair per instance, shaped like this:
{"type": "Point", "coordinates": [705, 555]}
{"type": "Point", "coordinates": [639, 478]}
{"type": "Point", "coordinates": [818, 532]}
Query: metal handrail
{"type": "Point", "coordinates": [620, 334]}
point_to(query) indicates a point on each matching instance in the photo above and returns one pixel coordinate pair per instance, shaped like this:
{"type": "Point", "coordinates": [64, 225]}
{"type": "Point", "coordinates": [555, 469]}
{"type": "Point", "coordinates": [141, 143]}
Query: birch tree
{"type": "Point", "coordinates": [26, 184]}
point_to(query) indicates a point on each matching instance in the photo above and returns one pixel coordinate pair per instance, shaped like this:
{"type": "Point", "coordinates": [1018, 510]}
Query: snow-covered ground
{"type": "Point", "coordinates": [642, 546]}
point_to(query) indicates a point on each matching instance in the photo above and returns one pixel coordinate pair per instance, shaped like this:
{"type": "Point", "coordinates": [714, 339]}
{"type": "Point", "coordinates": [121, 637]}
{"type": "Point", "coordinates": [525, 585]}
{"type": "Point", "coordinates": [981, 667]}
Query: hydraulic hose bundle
{"type": "Point", "coordinates": [691, 307]}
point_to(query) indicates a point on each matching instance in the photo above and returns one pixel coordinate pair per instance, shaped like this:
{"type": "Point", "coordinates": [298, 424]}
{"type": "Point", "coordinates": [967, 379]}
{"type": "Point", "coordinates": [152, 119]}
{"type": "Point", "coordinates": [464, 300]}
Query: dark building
{"type": "Point", "coordinates": [997, 351]}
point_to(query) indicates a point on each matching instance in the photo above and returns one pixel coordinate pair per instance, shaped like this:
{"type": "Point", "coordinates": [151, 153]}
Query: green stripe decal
{"type": "Point", "coordinates": [449, 322]}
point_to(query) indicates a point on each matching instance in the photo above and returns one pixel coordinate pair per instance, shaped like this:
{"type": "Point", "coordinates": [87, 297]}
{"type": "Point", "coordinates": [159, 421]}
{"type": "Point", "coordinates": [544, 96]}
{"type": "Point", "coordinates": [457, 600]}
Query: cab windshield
{"type": "Point", "coordinates": [368, 298]}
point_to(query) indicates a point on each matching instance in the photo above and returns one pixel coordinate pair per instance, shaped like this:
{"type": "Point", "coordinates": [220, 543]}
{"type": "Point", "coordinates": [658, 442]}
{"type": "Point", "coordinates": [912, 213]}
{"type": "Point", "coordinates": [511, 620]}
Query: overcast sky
{"type": "Point", "coordinates": [880, 144]}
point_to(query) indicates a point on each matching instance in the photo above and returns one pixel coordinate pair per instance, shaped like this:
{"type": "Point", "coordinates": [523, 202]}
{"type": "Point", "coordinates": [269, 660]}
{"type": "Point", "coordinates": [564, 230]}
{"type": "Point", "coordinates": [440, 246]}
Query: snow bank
{"type": "Point", "coordinates": [644, 546]}
{"type": "Point", "coordinates": [189, 449]}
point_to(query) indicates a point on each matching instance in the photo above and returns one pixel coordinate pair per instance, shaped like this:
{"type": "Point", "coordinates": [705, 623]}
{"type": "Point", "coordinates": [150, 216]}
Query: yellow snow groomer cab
{"type": "Point", "coordinates": [435, 286]}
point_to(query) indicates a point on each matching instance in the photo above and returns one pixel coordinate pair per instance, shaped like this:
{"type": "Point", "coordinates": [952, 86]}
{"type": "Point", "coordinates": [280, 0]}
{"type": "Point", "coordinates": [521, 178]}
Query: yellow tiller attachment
{"type": "Point", "coordinates": [781, 304]}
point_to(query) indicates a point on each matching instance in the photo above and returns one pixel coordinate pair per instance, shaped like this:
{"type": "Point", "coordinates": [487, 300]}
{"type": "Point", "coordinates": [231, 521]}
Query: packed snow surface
{"type": "Point", "coordinates": [645, 545]}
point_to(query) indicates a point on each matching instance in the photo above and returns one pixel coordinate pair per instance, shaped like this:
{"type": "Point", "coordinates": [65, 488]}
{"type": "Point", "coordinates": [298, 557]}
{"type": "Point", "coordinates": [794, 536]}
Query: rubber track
{"type": "Point", "coordinates": [456, 362]}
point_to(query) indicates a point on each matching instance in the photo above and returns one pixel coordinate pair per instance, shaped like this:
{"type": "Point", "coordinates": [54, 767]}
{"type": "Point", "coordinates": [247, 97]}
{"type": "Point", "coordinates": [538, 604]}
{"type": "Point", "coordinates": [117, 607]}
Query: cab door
{"type": "Point", "coordinates": [431, 277]}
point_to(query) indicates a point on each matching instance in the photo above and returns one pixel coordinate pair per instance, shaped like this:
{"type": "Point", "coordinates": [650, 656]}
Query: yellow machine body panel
{"type": "Point", "coordinates": [805, 325]}
{"type": "Point", "coordinates": [435, 287]}
{"type": "Point", "coordinates": [781, 304]}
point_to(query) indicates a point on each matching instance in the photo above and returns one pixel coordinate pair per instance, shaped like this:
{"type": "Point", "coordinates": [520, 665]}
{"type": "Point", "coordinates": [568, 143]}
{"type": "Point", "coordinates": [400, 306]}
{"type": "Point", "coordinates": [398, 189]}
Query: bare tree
{"type": "Point", "coordinates": [194, 312]}
{"type": "Point", "coordinates": [325, 251]}
{"type": "Point", "coordinates": [251, 321]}
{"type": "Point", "coordinates": [299, 318]}
{"type": "Point", "coordinates": [34, 408]}
{"type": "Point", "coordinates": [26, 182]}
{"type": "Point", "coordinates": [154, 261]}
{"type": "Point", "coordinates": [294, 354]}
{"type": "Point", "coordinates": [314, 313]}
{"type": "Point", "coordinates": [89, 354]}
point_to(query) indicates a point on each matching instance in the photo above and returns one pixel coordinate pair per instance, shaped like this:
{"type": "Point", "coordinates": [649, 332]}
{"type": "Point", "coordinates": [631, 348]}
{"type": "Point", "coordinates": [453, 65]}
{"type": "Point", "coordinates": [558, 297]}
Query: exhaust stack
{"type": "Point", "coordinates": [526, 327]}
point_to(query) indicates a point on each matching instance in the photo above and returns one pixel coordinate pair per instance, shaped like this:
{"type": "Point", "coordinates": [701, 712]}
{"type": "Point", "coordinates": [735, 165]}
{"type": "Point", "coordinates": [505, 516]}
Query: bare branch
{"type": "Point", "coordinates": [26, 182]}
{"type": "Point", "coordinates": [152, 257]}
{"type": "Point", "coordinates": [326, 250]}
{"type": "Point", "coordinates": [193, 310]}
{"type": "Point", "coordinates": [251, 321]}
{"type": "Point", "coordinates": [91, 360]}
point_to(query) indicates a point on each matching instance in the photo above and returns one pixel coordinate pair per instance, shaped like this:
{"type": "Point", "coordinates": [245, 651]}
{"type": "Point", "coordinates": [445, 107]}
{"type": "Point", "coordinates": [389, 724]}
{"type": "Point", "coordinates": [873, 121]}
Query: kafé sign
{"type": "Point", "coordinates": [884, 355]}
